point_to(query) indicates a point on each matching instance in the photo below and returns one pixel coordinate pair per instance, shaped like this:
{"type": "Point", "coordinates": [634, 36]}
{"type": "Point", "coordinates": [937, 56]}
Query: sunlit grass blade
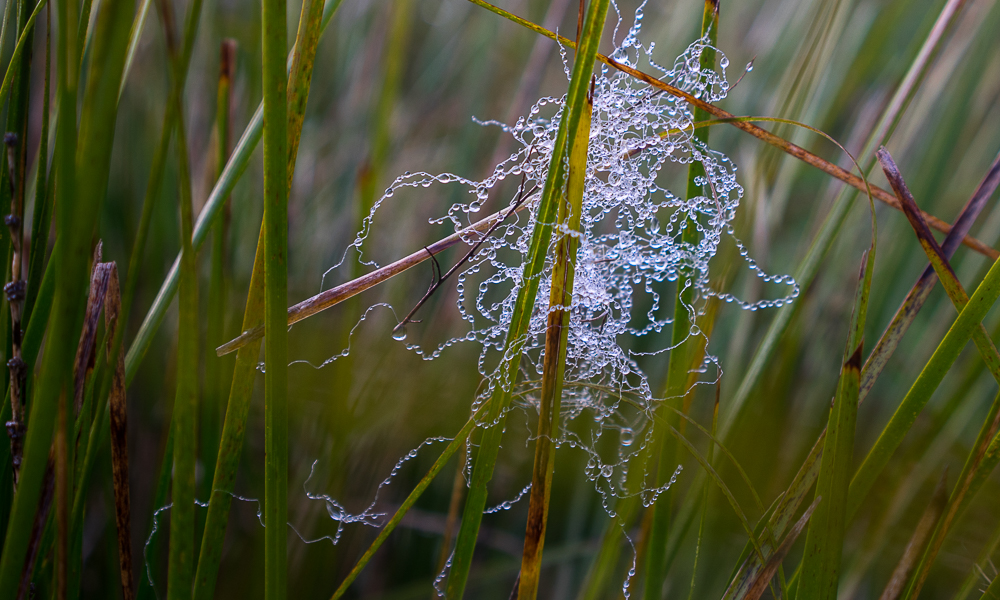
{"type": "Point", "coordinates": [918, 541]}
{"type": "Point", "coordinates": [541, 236]}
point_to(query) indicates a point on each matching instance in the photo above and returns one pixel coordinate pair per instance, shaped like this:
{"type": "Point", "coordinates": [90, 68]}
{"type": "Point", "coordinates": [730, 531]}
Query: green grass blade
{"type": "Point", "coordinates": [180, 576]}
{"type": "Point", "coordinates": [918, 541]}
{"type": "Point", "coordinates": [275, 82]}
{"type": "Point", "coordinates": [546, 212]}
{"type": "Point", "coordinates": [820, 567]}
{"type": "Point", "coordinates": [679, 365]}
{"type": "Point", "coordinates": [927, 382]}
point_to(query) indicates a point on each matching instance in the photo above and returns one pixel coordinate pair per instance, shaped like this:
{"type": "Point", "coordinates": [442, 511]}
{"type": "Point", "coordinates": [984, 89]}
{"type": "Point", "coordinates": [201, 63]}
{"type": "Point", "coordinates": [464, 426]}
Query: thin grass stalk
{"type": "Point", "coordinates": [216, 369]}
{"type": "Point", "coordinates": [682, 344]}
{"type": "Point", "coordinates": [235, 167]}
{"type": "Point", "coordinates": [541, 236]}
{"type": "Point", "coordinates": [181, 557]}
{"type": "Point", "coordinates": [556, 334]}
{"type": "Point", "coordinates": [274, 80]}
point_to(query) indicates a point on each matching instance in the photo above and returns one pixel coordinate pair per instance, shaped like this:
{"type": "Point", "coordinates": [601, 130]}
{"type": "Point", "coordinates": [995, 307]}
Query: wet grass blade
{"type": "Point", "coordinates": [918, 541]}
{"type": "Point", "coordinates": [556, 333]}
{"type": "Point", "coordinates": [542, 234]}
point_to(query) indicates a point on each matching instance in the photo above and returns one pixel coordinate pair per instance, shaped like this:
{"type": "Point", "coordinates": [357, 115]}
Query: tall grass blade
{"type": "Point", "coordinates": [820, 567]}
{"type": "Point", "coordinates": [556, 334]}
{"type": "Point", "coordinates": [234, 428]}
{"type": "Point", "coordinates": [681, 342]}
{"type": "Point", "coordinates": [275, 84]}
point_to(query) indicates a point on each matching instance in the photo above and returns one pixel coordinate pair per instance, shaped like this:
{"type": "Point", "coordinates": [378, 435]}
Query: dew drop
{"type": "Point", "coordinates": [627, 436]}
{"type": "Point", "coordinates": [400, 334]}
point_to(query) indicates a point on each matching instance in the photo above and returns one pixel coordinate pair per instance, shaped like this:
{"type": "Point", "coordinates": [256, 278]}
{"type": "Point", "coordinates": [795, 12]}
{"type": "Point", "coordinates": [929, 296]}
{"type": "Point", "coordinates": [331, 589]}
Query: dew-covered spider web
{"type": "Point", "coordinates": [632, 256]}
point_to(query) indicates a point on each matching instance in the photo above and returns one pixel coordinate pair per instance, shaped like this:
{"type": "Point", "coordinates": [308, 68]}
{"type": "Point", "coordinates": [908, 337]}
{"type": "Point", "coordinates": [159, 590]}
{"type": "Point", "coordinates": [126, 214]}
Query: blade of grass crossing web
{"type": "Point", "coordinates": [235, 167]}
{"type": "Point", "coordinates": [678, 367]}
{"type": "Point", "coordinates": [820, 567]}
{"type": "Point", "coordinates": [311, 24]}
{"type": "Point", "coordinates": [556, 333]}
{"type": "Point", "coordinates": [524, 306]}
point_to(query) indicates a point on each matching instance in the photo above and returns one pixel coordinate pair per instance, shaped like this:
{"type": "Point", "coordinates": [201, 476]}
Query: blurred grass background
{"type": "Point", "coordinates": [395, 87]}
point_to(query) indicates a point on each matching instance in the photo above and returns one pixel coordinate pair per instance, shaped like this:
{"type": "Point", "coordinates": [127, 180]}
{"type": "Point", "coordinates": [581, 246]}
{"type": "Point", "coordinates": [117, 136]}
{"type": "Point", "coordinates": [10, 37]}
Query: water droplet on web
{"type": "Point", "coordinates": [627, 436]}
{"type": "Point", "coordinates": [475, 207]}
{"type": "Point", "coordinates": [400, 334]}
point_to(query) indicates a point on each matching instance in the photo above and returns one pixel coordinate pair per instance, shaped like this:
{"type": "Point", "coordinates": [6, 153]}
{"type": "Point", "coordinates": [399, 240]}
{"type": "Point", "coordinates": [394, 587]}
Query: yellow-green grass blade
{"type": "Point", "coordinates": [524, 306]}
{"type": "Point", "coordinates": [556, 334]}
